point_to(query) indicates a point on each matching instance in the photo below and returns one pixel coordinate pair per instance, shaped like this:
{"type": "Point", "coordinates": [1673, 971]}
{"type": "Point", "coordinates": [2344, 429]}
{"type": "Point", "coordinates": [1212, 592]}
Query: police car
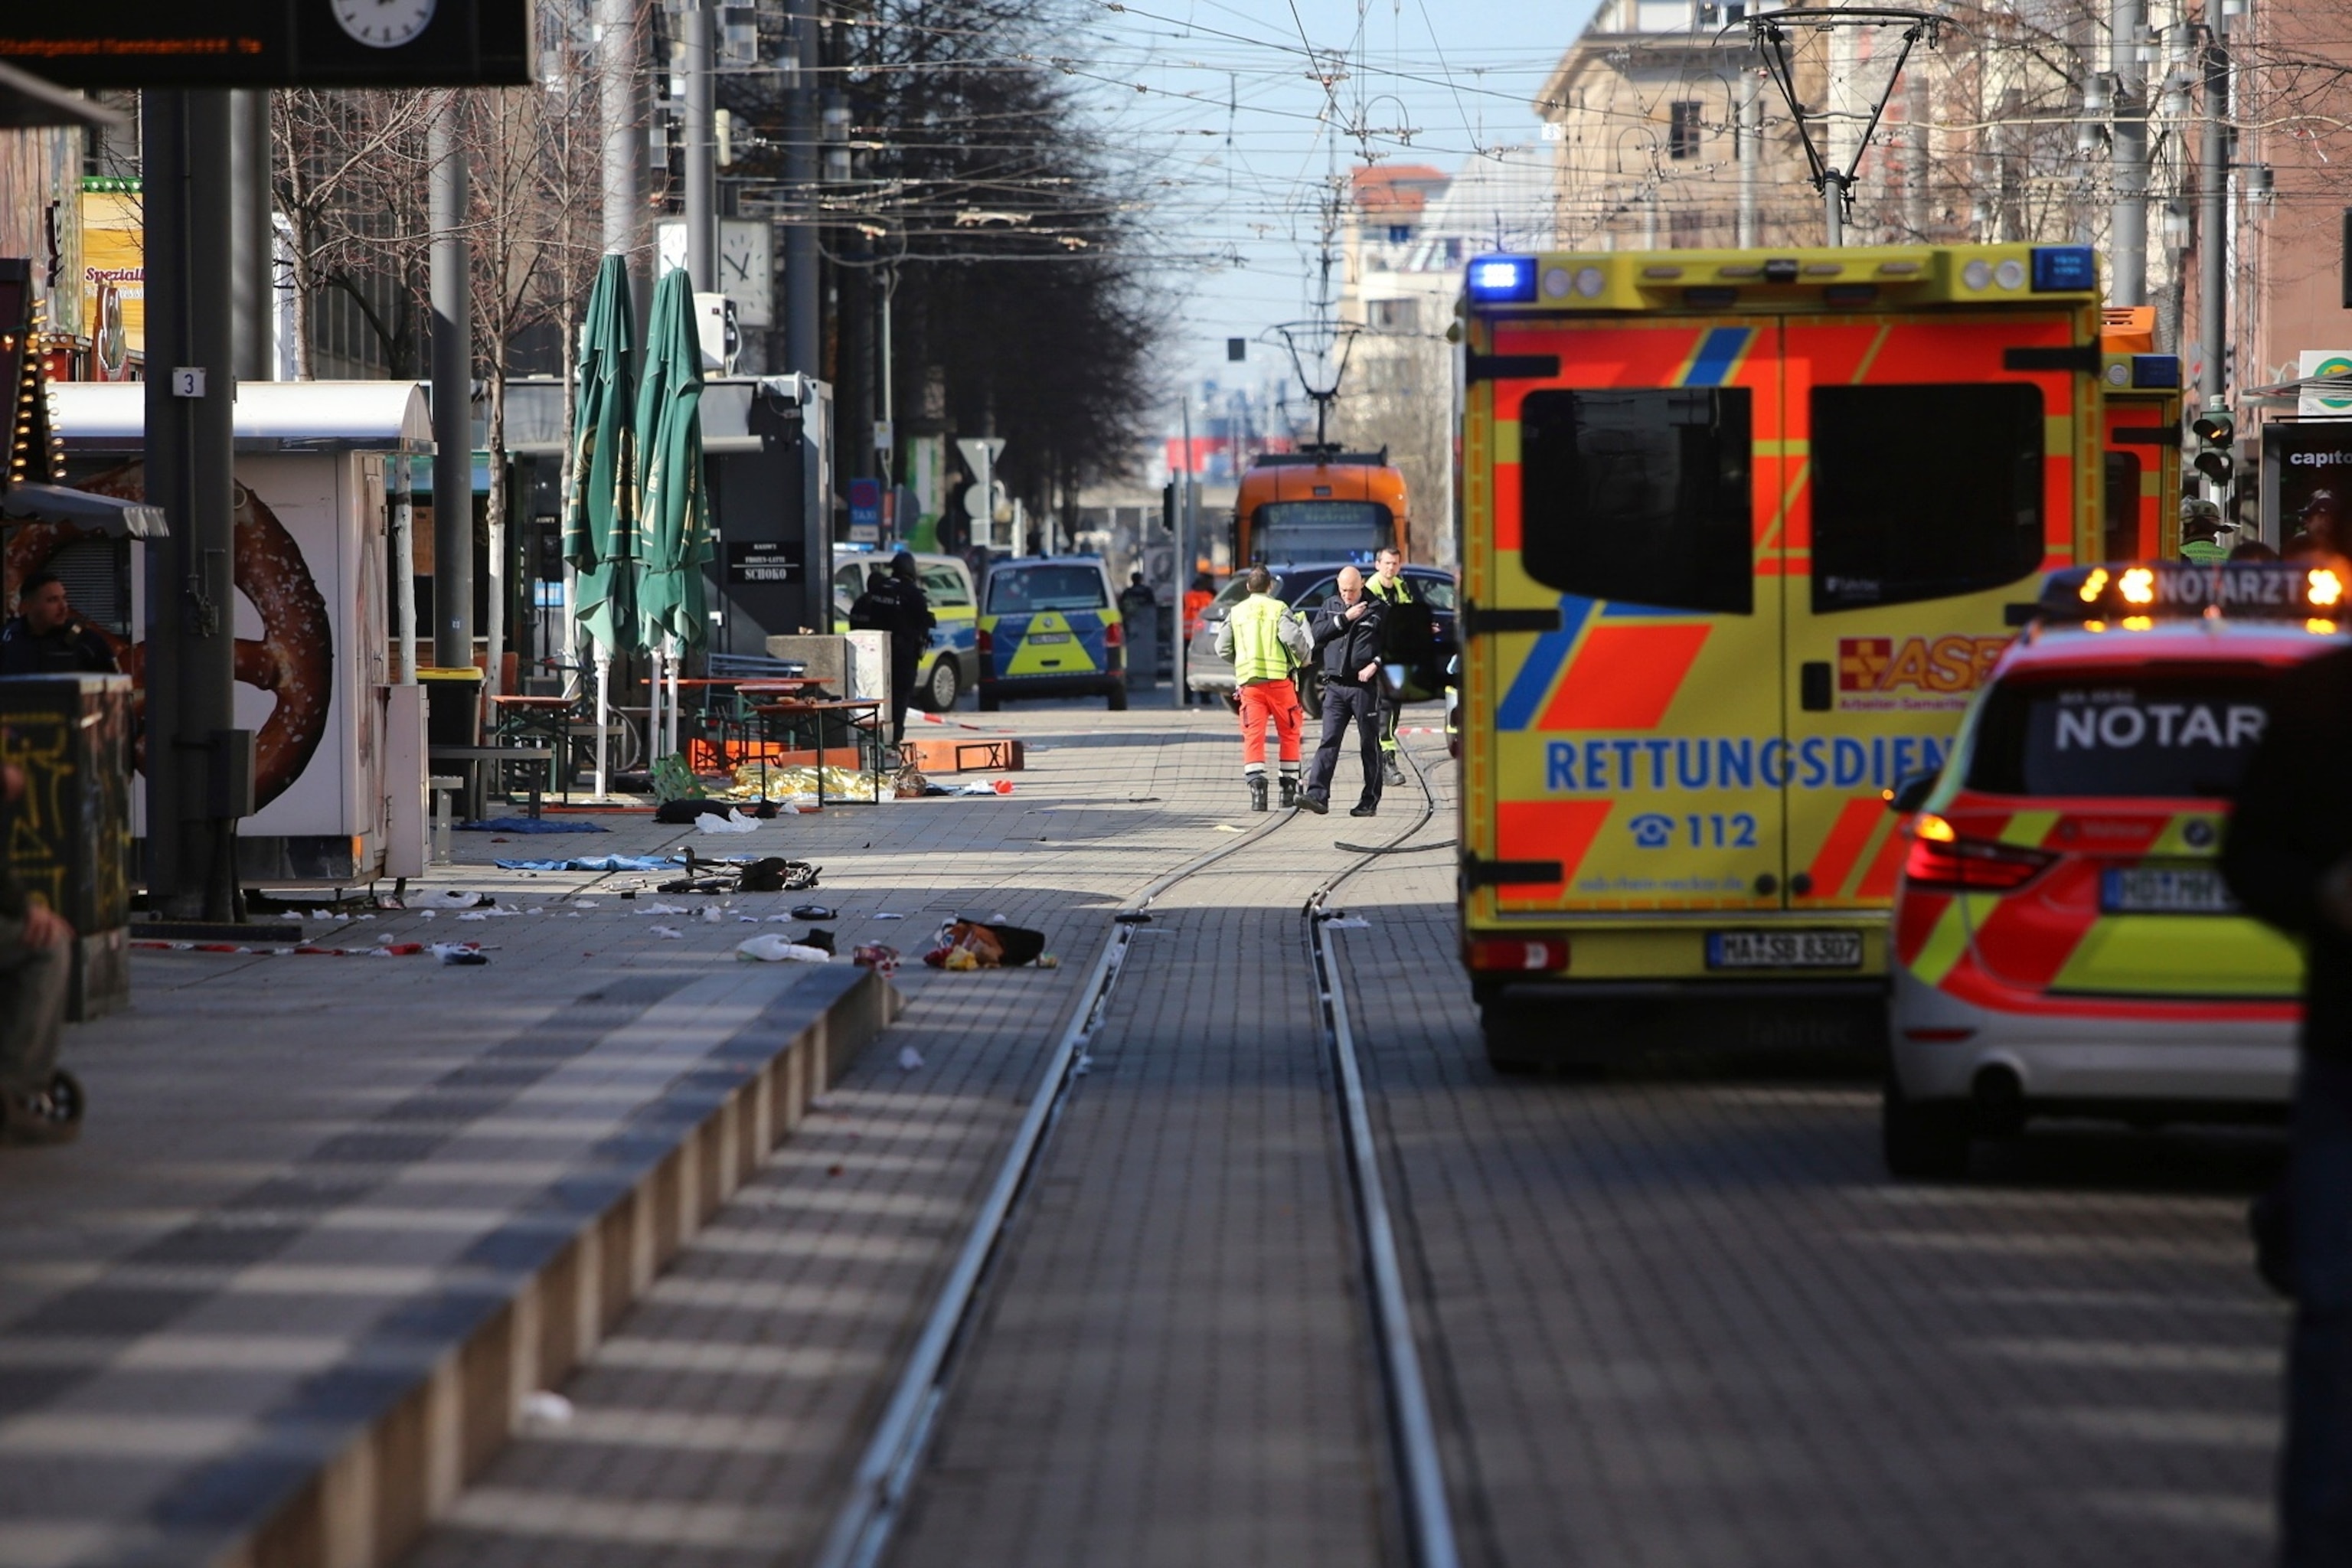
{"type": "Point", "coordinates": [2064, 942]}
{"type": "Point", "coordinates": [1050, 627]}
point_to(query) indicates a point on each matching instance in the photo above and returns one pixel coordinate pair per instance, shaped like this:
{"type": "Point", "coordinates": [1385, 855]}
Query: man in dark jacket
{"type": "Point", "coordinates": [36, 964]}
{"type": "Point", "coordinates": [1347, 637]}
{"type": "Point", "coordinates": [45, 637]}
{"type": "Point", "coordinates": [894, 602]}
{"type": "Point", "coordinates": [2289, 860]}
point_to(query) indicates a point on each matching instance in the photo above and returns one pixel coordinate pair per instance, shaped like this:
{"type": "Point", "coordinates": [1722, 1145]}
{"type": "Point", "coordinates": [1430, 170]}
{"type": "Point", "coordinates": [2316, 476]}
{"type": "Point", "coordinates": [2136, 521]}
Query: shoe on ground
{"type": "Point", "coordinates": [1290, 793]}
{"type": "Point", "coordinates": [1396, 773]}
{"type": "Point", "coordinates": [1315, 804]}
{"type": "Point", "coordinates": [51, 1115]}
{"type": "Point", "coordinates": [1257, 795]}
{"type": "Point", "coordinates": [1365, 811]}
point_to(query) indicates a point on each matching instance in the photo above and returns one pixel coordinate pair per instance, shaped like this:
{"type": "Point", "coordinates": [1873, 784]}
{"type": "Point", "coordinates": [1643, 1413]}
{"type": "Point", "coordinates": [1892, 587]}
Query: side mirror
{"type": "Point", "coordinates": [1911, 794]}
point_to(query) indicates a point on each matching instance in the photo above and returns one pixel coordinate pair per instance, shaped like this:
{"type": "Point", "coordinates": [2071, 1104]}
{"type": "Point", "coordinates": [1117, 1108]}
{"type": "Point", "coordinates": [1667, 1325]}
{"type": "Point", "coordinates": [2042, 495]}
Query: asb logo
{"type": "Point", "coordinates": [1913, 672]}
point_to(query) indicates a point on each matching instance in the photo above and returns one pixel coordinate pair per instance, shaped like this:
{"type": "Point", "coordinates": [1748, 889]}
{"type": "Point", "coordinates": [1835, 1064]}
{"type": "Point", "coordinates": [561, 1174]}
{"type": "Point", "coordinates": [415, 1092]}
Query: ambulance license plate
{"type": "Point", "coordinates": [1048, 637]}
{"type": "Point", "coordinates": [2161, 890]}
{"type": "Point", "coordinates": [1784, 950]}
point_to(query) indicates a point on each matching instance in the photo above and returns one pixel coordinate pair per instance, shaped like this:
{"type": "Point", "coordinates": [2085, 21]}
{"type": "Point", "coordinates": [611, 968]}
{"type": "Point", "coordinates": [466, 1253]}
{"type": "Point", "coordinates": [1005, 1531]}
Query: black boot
{"type": "Point", "coordinates": [1257, 793]}
{"type": "Point", "coordinates": [1289, 791]}
{"type": "Point", "coordinates": [1395, 773]}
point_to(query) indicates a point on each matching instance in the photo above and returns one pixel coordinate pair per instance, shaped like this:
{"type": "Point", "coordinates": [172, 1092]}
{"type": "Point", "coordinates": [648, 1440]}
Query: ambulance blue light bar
{"type": "Point", "coordinates": [1508, 279]}
{"type": "Point", "coordinates": [2137, 596]}
{"type": "Point", "coordinates": [2064, 266]}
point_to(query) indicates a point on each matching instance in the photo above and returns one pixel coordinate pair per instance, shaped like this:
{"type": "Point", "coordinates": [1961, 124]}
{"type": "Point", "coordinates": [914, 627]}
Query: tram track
{"type": "Point", "coordinates": [889, 1468]}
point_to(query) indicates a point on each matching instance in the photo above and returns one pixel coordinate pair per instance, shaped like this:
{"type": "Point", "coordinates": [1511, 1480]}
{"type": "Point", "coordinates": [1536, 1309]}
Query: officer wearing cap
{"type": "Point", "coordinates": [2321, 529]}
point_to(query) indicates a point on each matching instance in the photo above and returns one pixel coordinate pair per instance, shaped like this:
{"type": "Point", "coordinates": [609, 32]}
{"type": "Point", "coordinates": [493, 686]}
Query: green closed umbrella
{"type": "Point", "coordinates": [600, 516]}
{"type": "Point", "coordinates": [600, 519]}
{"type": "Point", "coordinates": [673, 508]}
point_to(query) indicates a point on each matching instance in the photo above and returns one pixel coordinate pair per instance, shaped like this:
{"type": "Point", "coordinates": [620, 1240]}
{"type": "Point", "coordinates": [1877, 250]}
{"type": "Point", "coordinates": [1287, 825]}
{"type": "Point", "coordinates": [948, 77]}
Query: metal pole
{"type": "Point", "coordinates": [191, 394]}
{"type": "Point", "coordinates": [1832, 210]}
{"type": "Point", "coordinates": [701, 180]}
{"type": "Point", "coordinates": [1751, 133]}
{"type": "Point", "coordinates": [804, 330]}
{"type": "Point", "coordinates": [453, 401]}
{"type": "Point", "coordinates": [2127, 247]}
{"type": "Point", "coordinates": [403, 562]}
{"type": "Point", "coordinates": [253, 272]}
{"type": "Point", "coordinates": [618, 59]}
{"type": "Point", "coordinates": [2212, 241]}
{"type": "Point", "coordinates": [1184, 551]}
{"type": "Point", "coordinates": [1914, 188]}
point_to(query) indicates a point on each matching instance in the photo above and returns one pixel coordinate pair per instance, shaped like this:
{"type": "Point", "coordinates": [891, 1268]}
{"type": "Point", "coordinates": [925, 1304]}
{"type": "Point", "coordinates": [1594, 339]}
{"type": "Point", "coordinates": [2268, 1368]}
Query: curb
{"type": "Point", "coordinates": [564, 1286]}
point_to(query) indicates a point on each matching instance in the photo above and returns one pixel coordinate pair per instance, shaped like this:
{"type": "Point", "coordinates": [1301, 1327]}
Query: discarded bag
{"type": "Point", "coordinates": [879, 957]}
{"type": "Point", "coordinates": [983, 944]}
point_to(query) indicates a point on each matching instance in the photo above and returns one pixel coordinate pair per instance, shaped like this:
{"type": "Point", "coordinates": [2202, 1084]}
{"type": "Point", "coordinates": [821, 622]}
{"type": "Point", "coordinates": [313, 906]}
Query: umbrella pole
{"type": "Point", "coordinates": [653, 708]}
{"type": "Point", "coordinates": [603, 710]}
{"type": "Point", "coordinates": [675, 658]}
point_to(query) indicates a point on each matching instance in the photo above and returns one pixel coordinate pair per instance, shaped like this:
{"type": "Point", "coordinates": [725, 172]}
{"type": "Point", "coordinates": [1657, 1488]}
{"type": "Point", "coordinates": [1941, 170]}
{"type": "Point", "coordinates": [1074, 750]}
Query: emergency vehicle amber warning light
{"type": "Point", "coordinates": [1508, 279]}
{"type": "Point", "coordinates": [2172, 590]}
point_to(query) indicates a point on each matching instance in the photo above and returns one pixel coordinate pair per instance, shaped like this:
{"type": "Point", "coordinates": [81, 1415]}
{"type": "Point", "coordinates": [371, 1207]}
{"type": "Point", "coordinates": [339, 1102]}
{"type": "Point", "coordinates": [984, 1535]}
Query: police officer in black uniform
{"type": "Point", "coordinates": [45, 637]}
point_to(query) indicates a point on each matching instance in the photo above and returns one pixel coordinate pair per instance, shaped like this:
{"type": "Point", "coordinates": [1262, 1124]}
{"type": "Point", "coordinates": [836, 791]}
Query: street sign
{"type": "Point", "coordinates": [273, 43]}
{"type": "Point", "coordinates": [866, 511]}
{"type": "Point", "coordinates": [980, 452]}
{"type": "Point", "coordinates": [2316, 363]}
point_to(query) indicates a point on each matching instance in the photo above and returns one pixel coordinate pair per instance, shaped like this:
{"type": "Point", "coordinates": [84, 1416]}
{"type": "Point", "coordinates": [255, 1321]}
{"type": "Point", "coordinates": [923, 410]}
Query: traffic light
{"type": "Point", "coordinates": [2217, 435]}
{"type": "Point", "coordinates": [1168, 506]}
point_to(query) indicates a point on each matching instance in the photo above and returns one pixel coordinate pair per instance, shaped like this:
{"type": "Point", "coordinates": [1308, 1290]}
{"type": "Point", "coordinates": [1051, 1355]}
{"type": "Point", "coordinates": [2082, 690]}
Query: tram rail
{"type": "Point", "coordinates": [886, 1475]}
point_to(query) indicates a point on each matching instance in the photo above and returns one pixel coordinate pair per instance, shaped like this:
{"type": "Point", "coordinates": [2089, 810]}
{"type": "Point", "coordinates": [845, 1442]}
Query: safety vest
{"type": "Point", "coordinates": [2204, 551]}
{"type": "Point", "coordinates": [1258, 653]}
{"type": "Point", "coordinates": [1397, 594]}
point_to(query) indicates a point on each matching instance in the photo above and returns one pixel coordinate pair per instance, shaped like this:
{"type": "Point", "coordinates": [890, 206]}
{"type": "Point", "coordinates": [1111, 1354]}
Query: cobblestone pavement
{"type": "Point", "coordinates": [282, 1150]}
{"type": "Point", "coordinates": [1681, 1317]}
{"type": "Point", "coordinates": [1674, 1316]}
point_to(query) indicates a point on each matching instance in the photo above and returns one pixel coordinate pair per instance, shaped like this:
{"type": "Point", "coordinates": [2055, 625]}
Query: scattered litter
{"type": "Point", "coordinates": [779, 919]}
{"type": "Point", "coordinates": [983, 787]}
{"type": "Point", "coordinates": [475, 915]}
{"type": "Point", "coordinates": [1348, 922]}
{"type": "Point", "coordinates": [426, 915]}
{"type": "Point", "coordinates": [1047, 961]}
{"type": "Point", "coordinates": [813, 912]}
{"type": "Point", "coordinates": [323, 915]}
{"type": "Point", "coordinates": [445, 899]}
{"type": "Point", "coordinates": [984, 944]}
{"type": "Point", "coordinates": [751, 920]}
{"type": "Point", "coordinates": [541, 1410]}
{"type": "Point", "coordinates": [460, 953]}
{"type": "Point", "coordinates": [770, 947]}
{"type": "Point", "coordinates": [733, 822]}
{"type": "Point", "coordinates": [586, 903]}
{"type": "Point", "coordinates": [1226, 828]}
{"type": "Point", "coordinates": [658, 909]}
{"type": "Point", "coordinates": [886, 915]}
{"type": "Point", "coordinates": [591, 863]}
{"type": "Point", "coordinates": [879, 957]}
{"type": "Point", "coordinates": [670, 933]}
{"type": "Point", "coordinates": [711, 914]}
{"type": "Point", "coordinates": [909, 1059]}
{"type": "Point", "coordinates": [532, 825]}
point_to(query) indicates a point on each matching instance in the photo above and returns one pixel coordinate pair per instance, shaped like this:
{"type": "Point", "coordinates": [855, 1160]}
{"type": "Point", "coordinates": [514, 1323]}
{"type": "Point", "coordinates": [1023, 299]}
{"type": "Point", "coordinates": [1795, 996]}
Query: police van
{"type": "Point", "coordinates": [1050, 626]}
{"type": "Point", "coordinates": [1738, 531]}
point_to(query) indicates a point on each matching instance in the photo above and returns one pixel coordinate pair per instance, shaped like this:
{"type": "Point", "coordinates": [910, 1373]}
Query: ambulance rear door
{"type": "Point", "coordinates": [1940, 462]}
{"type": "Point", "coordinates": [1620, 638]}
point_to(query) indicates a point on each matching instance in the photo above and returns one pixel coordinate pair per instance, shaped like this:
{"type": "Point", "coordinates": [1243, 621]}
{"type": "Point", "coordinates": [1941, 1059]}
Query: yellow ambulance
{"type": "Point", "coordinates": [1741, 530]}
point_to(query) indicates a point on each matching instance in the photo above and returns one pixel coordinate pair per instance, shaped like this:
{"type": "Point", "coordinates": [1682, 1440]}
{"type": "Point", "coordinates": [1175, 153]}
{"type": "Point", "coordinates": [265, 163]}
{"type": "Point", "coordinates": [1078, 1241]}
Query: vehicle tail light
{"type": "Point", "coordinates": [1525, 955]}
{"type": "Point", "coordinates": [1113, 635]}
{"type": "Point", "coordinates": [987, 642]}
{"type": "Point", "coordinates": [1942, 861]}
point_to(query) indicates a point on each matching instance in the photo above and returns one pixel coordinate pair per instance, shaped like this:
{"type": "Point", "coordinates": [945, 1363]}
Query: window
{"type": "Point", "coordinates": [1396, 315]}
{"type": "Point", "coordinates": [1924, 492]}
{"type": "Point", "coordinates": [1029, 589]}
{"type": "Point", "coordinates": [1400, 233]}
{"type": "Point", "coordinates": [1639, 496]}
{"type": "Point", "coordinates": [944, 585]}
{"type": "Point", "coordinates": [2140, 735]}
{"type": "Point", "coordinates": [2123, 506]}
{"type": "Point", "coordinates": [1437, 593]}
{"type": "Point", "coordinates": [1682, 130]}
{"type": "Point", "coordinates": [1314, 597]}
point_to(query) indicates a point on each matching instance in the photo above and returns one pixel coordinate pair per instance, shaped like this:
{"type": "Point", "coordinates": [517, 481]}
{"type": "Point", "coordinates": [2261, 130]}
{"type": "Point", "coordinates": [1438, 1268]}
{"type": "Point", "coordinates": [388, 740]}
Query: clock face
{"type": "Point", "coordinates": [383, 24]}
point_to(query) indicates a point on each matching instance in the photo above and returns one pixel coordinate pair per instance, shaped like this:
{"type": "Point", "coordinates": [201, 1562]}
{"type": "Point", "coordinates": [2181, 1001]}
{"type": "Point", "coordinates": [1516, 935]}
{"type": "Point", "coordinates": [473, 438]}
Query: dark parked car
{"type": "Point", "coordinates": [1304, 586]}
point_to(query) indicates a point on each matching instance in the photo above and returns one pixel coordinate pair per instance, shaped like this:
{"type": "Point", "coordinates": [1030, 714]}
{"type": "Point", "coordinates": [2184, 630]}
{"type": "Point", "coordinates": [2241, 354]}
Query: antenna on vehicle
{"type": "Point", "coordinates": [1766, 33]}
{"type": "Point", "coordinates": [1326, 343]}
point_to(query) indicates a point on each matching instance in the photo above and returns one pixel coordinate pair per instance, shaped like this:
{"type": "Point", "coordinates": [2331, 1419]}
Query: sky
{"type": "Point", "coordinates": [1238, 112]}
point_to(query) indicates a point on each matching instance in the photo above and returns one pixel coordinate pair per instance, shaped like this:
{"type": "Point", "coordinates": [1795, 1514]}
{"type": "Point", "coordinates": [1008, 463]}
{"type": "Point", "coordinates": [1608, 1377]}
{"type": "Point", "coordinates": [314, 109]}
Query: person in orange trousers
{"type": "Point", "coordinates": [1266, 641]}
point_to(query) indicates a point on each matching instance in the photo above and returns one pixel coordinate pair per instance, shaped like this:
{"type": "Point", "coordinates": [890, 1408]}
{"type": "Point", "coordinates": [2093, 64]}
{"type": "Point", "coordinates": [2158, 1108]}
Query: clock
{"type": "Point", "coordinates": [747, 269]}
{"type": "Point", "coordinates": [383, 24]}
